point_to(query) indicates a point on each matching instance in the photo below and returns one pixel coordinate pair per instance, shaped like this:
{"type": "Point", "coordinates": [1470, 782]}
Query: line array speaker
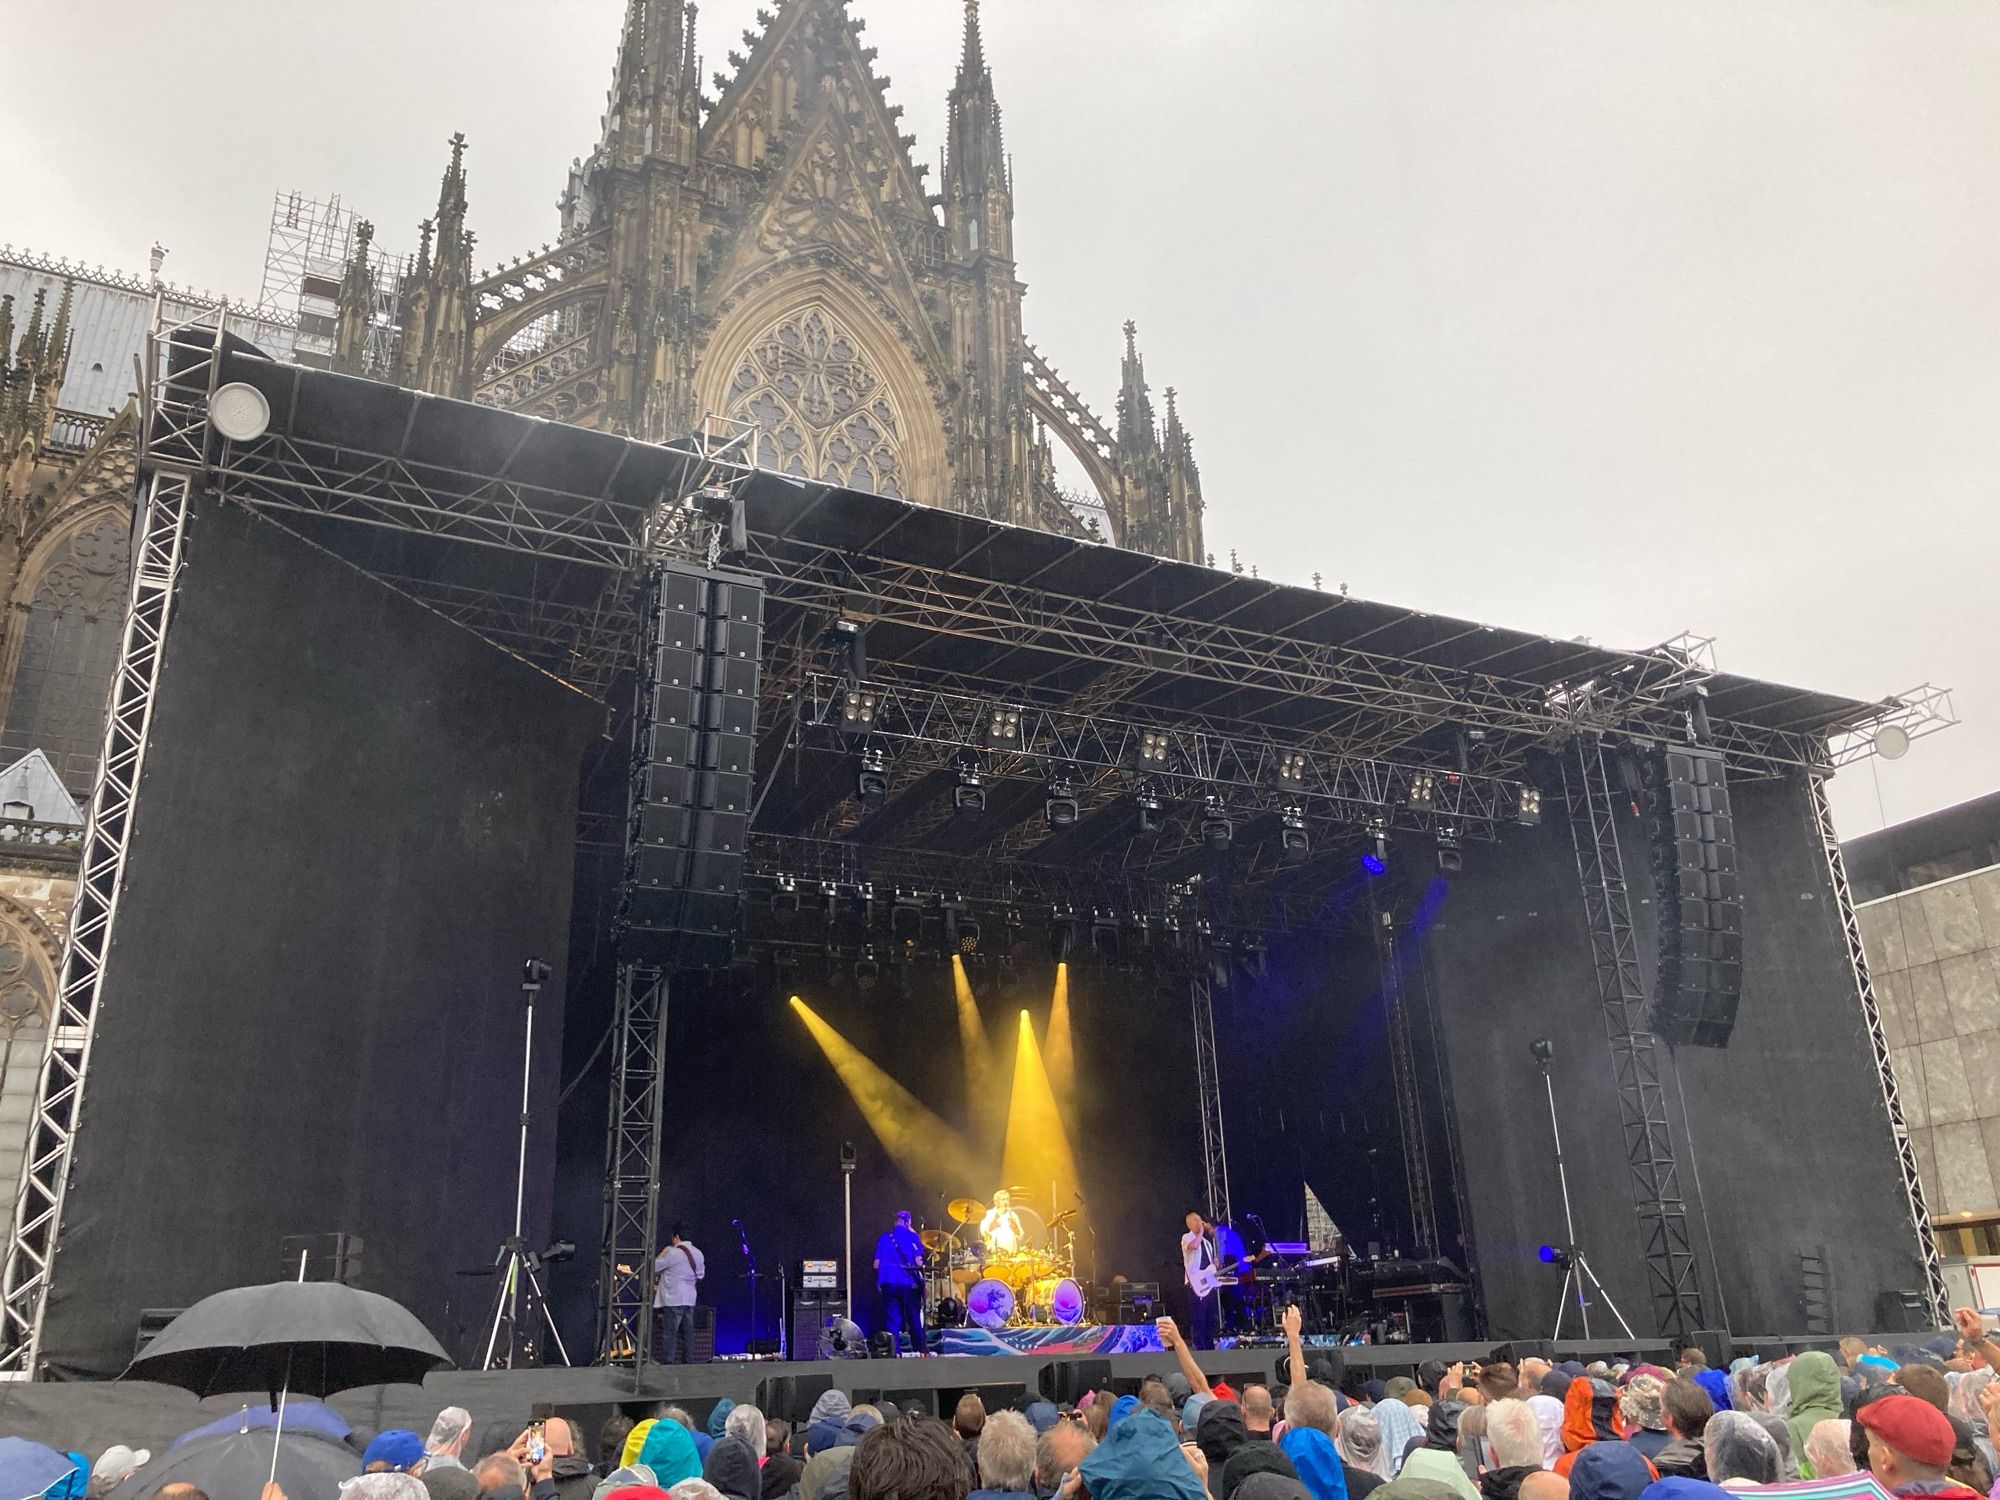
{"type": "Point", "coordinates": [1692, 837]}
{"type": "Point", "coordinates": [694, 741]}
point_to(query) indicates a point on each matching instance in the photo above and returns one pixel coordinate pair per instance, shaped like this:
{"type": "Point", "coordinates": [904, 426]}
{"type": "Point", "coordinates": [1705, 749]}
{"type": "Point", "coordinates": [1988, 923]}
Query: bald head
{"type": "Point", "coordinates": [1543, 1485]}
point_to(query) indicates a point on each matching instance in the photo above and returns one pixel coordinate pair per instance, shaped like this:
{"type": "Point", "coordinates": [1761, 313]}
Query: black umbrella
{"type": "Point", "coordinates": [235, 1465]}
{"type": "Point", "coordinates": [313, 1337]}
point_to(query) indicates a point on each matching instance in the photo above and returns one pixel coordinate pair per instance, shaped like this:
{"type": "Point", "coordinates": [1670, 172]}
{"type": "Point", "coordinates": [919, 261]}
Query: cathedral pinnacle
{"type": "Point", "coordinates": [972, 61]}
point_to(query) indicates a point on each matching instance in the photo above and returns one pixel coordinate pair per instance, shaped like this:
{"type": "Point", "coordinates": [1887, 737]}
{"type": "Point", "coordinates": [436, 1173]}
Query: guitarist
{"type": "Point", "coordinates": [1203, 1268]}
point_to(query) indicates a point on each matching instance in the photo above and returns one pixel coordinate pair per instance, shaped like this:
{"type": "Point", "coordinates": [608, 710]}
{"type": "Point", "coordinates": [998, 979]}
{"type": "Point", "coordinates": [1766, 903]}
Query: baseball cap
{"type": "Point", "coordinates": [399, 1448]}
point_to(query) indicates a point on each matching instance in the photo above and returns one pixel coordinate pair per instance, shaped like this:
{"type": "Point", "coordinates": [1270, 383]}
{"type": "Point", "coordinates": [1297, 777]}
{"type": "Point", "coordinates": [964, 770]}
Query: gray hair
{"type": "Point", "coordinates": [1739, 1448]}
{"type": "Point", "coordinates": [677, 1414]}
{"type": "Point", "coordinates": [449, 1431]}
{"type": "Point", "coordinates": [747, 1422]}
{"type": "Point", "coordinates": [1515, 1434]}
{"type": "Point", "coordinates": [1007, 1452]}
{"type": "Point", "coordinates": [1312, 1405]}
{"type": "Point", "coordinates": [1049, 1464]}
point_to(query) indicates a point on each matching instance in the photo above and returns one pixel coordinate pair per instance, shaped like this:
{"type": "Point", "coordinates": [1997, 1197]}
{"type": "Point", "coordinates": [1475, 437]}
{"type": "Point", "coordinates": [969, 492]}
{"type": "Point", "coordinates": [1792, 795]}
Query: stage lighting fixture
{"type": "Point", "coordinates": [1294, 844]}
{"type": "Point", "coordinates": [785, 899]}
{"type": "Point", "coordinates": [1451, 858]}
{"type": "Point", "coordinates": [1152, 750]}
{"type": "Point", "coordinates": [1254, 959]}
{"type": "Point", "coordinates": [867, 969]}
{"type": "Point", "coordinates": [1376, 860]}
{"type": "Point", "coordinates": [1292, 768]}
{"type": "Point", "coordinates": [1062, 934]}
{"type": "Point", "coordinates": [961, 927]}
{"type": "Point", "coordinates": [239, 412]}
{"type": "Point", "coordinates": [850, 637]}
{"type": "Point", "coordinates": [1216, 829]}
{"type": "Point", "coordinates": [968, 793]}
{"type": "Point", "coordinates": [857, 710]}
{"type": "Point", "coordinates": [1530, 809]}
{"type": "Point", "coordinates": [1146, 802]}
{"type": "Point", "coordinates": [1000, 728]}
{"type": "Point", "coordinates": [1542, 1050]}
{"type": "Point", "coordinates": [1060, 808]}
{"type": "Point", "coordinates": [1552, 1256]}
{"type": "Point", "coordinates": [1104, 935]}
{"type": "Point", "coordinates": [1423, 789]}
{"type": "Point", "coordinates": [906, 918]}
{"type": "Point", "coordinates": [871, 782]}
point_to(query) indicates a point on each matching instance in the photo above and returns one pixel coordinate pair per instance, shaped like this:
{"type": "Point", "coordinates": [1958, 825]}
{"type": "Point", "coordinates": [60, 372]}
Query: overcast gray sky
{"type": "Point", "coordinates": [1577, 316]}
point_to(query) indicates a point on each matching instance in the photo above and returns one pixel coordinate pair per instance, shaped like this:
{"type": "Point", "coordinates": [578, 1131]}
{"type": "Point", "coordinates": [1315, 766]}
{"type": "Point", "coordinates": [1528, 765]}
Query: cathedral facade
{"type": "Point", "coordinates": [773, 256]}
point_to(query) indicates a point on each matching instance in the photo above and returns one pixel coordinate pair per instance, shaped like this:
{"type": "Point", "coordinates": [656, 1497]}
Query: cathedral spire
{"type": "Point", "coordinates": [978, 192]}
{"type": "Point", "coordinates": [1136, 433]}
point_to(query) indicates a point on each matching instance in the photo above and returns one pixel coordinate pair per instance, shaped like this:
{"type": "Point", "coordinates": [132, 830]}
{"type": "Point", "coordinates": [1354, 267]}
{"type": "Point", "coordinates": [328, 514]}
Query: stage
{"type": "Point", "coordinates": [1125, 851]}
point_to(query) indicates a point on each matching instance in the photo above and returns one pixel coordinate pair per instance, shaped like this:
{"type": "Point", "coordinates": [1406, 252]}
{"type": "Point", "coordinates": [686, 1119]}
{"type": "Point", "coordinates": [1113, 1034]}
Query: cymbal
{"type": "Point", "coordinates": [1062, 1218]}
{"type": "Point", "coordinates": [965, 1210]}
{"type": "Point", "coordinates": [936, 1241]}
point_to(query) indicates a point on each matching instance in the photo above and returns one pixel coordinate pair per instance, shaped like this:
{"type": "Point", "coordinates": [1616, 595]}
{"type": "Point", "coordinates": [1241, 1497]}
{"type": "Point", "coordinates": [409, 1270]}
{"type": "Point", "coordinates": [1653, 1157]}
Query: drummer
{"type": "Point", "coordinates": [1001, 1227]}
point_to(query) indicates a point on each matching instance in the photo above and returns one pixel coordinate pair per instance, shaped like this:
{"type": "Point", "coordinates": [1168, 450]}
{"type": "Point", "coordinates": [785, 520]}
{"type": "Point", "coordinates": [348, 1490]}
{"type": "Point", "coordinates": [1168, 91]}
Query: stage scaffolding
{"type": "Point", "coordinates": [633, 1131]}
{"type": "Point", "coordinates": [536, 535]}
{"type": "Point", "coordinates": [1671, 1273]}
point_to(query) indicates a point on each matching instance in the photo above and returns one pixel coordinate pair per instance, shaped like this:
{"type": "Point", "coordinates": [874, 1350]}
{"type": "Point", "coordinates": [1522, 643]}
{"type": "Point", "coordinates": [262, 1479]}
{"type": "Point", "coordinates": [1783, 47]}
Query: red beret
{"type": "Point", "coordinates": [1913, 1427]}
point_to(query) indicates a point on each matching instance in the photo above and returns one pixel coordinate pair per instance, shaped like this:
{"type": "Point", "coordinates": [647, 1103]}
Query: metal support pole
{"type": "Point", "coordinates": [632, 1166]}
{"type": "Point", "coordinates": [1208, 1087]}
{"type": "Point", "coordinates": [1937, 1298]}
{"type": "Point", "coordinates": [1668, 1253]}
{"type": "Point", "coordinates": [1409, 1107]}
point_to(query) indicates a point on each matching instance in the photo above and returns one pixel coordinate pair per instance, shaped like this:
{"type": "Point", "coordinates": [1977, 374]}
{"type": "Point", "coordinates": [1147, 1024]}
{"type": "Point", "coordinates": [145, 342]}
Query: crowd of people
{"type": "Point", "coordinates": [1917, 1418]}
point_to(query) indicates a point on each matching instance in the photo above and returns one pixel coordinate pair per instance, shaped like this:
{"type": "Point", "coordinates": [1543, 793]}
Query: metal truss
{"type": "Point", "coordinates": [1391, 701]}
{"type": "Point", "coordinates": [1193, 762]}
{"type": "Point", "coordinates": [1937, 1299]}
{"type": "Point", "coordinates": [633, 1132]}
{"type": "Point", "coordinates": [181, 368]}
{"type": "Point", "coordinates": [1671, 1273]}
{"type": "Point", "coordinates": [1920, 711]}
{"type": "Point", "coordinates": [1208, 1085]}
{"type": "Point", "coordinates": [1403, 1067]}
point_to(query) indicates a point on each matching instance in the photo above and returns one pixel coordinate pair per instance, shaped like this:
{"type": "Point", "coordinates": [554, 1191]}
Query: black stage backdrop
{"type": "Point", "coordinates": [755, 1116]}
{"type": "Point", "coordinates": [356, 821]}
{"type": "Point", "coordinates": [1791, 1103]}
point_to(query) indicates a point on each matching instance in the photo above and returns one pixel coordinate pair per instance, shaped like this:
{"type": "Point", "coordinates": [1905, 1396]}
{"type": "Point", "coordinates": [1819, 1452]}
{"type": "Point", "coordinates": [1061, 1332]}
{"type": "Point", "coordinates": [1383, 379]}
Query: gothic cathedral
{"type": "Point", "coordinates": [771, 258]}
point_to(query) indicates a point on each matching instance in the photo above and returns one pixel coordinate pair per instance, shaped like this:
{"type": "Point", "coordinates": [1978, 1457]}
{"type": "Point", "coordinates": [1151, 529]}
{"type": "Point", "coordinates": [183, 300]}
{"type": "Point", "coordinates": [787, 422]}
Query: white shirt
{"type": "Point", "coordinates": [1001, 1230]}
{"type": "Point", "coordinates": [1195, 1255]}
{"type": "Point", "coordinates": [678, 1273]}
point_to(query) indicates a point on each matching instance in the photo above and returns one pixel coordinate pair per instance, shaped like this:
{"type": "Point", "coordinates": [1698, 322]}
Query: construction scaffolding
{"type": "Point", "coordinates": [305, 260]}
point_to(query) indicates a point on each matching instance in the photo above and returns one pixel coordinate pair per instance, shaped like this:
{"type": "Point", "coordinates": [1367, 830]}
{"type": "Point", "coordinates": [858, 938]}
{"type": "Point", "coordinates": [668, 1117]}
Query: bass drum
{"type": "Point", "coordinates": [990, 1303]}
{"type": "Point", "coordinates": [1058, 1299]}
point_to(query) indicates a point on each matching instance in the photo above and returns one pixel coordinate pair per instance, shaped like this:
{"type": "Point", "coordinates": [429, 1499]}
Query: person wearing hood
{"type": "Point", "coordinates": [1363, 1464]}
{"type": "Point", "coordinates": [1590, 1415]}
{"type": "Point", "coordinates": [1399, 1427]}
{"type": "Point", "coordinates": [1609, 1471]}
{"type": "Point", "coordinates": [1140, 1459]}
{"type": "Point", "coordinates": [445, 1447]}
{"type": "Point", "coordinates": [1516, 1439]}
{"type": "Point", "coordinates": [1547, 1405]}
{"type": "Point", "coordinates": [1815, 1388]}
{"type": "Point", "coordinates": [1316, 1461]}
{"type": "Point", "coordinates": [1686, 1410]}
{"type": "Point", "coordinates": [1676, 1487]}
{"type": "Point", "coordinates": [1254, 1457]}
{"type": "Point", "coordinates": [1438, 1458]}
{"type": "Point", "coordinates": [1716, 1384]}
{"type": "Point", "coordinates": [1741, 1454]}
{"type": "Point", "coordinates": [629, 1476]}
{"type": "Point", "coordinates": [1416, 1489]}
{"type": "Point", "coordinates": [669, 1451]}
{"type": "Point", "coordinates": [731, 1467]}
{"type": "Point", "coordinates": [1219, 1431]}
{"type": "Point", "coordinates": [826, 1470]}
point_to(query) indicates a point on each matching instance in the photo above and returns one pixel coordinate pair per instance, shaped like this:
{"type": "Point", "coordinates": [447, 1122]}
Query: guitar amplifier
{"type": "Point", "coordinates": [1138, 1301]}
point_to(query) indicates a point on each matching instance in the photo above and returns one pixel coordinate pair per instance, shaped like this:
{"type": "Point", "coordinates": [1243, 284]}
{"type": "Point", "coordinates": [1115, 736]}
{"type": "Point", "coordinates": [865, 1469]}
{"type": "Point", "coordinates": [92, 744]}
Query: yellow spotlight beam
{"type": "Point", "coordinates": [927, 1151]}
{"type": "Point", "coordinates": [983, 1097]}
{"type": "Point", "coordinates": [1062, 1048]}
{"type": "Point", "coordinates": [1037, 1154]}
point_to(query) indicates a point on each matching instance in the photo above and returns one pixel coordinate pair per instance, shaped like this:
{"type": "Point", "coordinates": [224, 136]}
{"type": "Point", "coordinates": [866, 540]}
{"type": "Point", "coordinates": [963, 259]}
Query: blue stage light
{"type": "Point", "coordinates": [1549, 1254]}
{"type": "Point", "coordinates": [1373, 863]}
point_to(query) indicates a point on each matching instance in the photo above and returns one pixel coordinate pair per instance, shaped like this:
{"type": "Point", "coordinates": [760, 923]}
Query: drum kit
{"type": "Point", "coordinates": [1033, 1283]}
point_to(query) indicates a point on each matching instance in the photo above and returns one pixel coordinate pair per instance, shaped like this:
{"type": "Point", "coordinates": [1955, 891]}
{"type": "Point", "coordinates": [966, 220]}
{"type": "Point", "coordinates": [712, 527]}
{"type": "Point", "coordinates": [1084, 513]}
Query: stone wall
{"type": "Point", "coordinates": [1934, 953]}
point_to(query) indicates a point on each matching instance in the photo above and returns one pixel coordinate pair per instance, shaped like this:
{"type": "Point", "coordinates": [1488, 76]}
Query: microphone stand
{"type": "Point", "coordinates": [743, 1240]}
